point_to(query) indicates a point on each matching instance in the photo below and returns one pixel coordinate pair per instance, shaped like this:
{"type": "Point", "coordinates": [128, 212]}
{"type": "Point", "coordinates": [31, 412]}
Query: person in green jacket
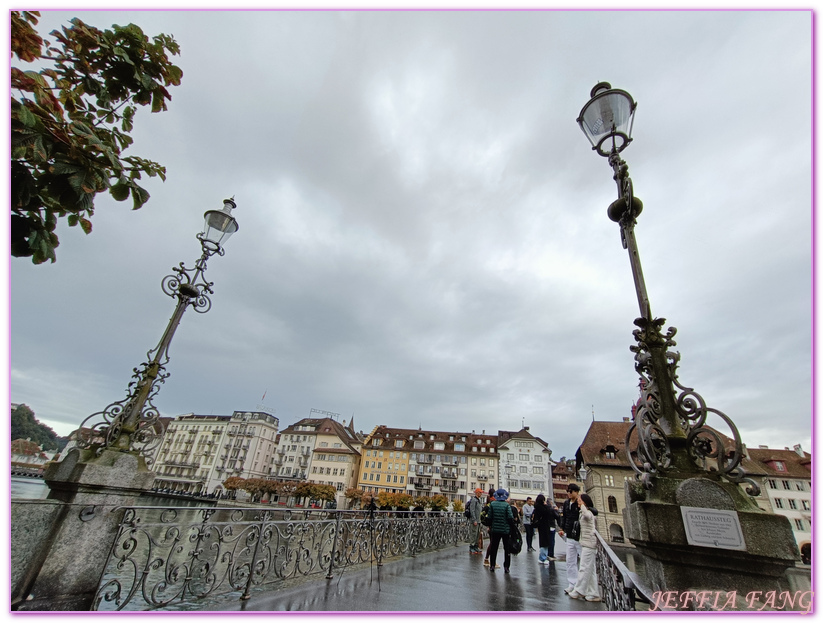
{"type": "Point", "coordinates": [501, 522]}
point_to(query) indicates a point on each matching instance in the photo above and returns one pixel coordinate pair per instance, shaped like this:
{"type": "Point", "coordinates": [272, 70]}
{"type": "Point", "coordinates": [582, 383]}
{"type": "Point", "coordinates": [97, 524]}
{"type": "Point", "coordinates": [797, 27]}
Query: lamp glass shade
{"type": "Point", "coordinates": [607, 120]}
{"type": "Point", "coordinates": [219, 226]}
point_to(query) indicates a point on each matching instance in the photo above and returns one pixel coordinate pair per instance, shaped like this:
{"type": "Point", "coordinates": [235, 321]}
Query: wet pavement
{"type": "Point", "coordinates": [449, 580]}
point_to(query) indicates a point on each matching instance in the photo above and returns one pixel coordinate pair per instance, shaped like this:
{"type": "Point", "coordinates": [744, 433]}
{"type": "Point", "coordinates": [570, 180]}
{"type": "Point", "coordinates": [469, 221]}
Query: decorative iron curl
{"type": "Point", "coordinates": [188, 284]}
{"type": "Point", "coordinates": [102, 430]}
{"type": "Point", "coordinates": [651, 453]}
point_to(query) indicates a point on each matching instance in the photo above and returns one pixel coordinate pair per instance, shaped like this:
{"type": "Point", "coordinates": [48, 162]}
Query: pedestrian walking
{"type": "Point", "coordinates": [502, 520]}
{"type": "Point", "coordinates": [586, 585]}
{"type": "Point", "coordinates": [474, 507]}
{"type": "Point", "coordinates": [544, 519]}
{"type": "Point", "coordinates": [528, 509]}
{"type": "Point", "coordinates": [571, 516]}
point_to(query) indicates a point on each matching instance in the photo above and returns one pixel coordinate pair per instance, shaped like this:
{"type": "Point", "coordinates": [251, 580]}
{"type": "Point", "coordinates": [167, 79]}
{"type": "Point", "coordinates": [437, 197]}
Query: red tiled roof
{"type": "Point", "coordinates": [600, 436]}
{"type": "Point", "coordinates": [796, 466]}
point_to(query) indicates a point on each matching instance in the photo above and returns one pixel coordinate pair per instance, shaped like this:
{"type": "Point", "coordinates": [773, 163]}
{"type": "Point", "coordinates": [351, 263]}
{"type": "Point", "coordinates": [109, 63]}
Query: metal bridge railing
{"type": "Point", "coordinates": [165, 556]}
{"type": "Point", "coordinates": [620, 588]}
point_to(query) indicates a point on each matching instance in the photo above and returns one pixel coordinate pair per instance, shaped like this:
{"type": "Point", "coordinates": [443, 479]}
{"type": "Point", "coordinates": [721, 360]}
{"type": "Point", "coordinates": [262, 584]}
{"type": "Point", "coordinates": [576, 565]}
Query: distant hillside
{"type": "Point", "coordinates": [25, 426]}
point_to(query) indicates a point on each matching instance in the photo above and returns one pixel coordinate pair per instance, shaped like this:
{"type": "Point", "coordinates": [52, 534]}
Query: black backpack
{"type": "Point", "coordinates": [468, 513]}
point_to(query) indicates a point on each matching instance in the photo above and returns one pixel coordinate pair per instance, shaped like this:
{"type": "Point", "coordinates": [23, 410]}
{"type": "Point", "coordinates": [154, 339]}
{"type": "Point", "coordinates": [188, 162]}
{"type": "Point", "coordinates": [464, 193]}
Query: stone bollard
{"type": "Point", "coordinates": [59, 546]}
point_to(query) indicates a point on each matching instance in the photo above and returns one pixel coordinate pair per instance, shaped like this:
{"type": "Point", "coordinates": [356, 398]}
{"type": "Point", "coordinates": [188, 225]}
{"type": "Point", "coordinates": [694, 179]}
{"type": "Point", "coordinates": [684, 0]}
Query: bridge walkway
{"type": "Point", "coordinates": [448, 580]}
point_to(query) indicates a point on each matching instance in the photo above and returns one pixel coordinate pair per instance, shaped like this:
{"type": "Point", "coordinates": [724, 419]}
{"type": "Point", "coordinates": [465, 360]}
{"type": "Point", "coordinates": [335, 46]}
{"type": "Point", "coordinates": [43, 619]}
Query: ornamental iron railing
{"type": "Point", "coordinates": [164, 556]}
{"type": "Point", "coordinates": [620, 588]}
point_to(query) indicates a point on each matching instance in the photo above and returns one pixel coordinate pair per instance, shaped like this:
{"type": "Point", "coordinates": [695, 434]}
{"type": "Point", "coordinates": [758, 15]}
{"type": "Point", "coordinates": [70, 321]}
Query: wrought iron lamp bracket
{"type": "Point", "coordinates": [651, 452]}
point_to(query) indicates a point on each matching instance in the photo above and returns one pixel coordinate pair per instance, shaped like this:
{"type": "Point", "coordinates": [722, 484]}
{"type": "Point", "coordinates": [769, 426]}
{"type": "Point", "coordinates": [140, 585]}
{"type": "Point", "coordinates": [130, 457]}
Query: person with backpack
{"type": "Point", "coordinates": [500, 526]}
{"type": "Point", "coordinates": [473, 508]}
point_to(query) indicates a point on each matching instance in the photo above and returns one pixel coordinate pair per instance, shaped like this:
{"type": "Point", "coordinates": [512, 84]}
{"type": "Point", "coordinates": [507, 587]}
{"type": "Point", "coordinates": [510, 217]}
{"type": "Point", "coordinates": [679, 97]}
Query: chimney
{"type": "Point", "coordinates": [525, 428]}
{"type": "Point", "coordinates": [484, 432]}
{"type": "Point", "coordinates": [799, 450]}
{"type": "Point", "coordinates": [626, 419]}
{"type": "Point", "coordinates": [762, 447]}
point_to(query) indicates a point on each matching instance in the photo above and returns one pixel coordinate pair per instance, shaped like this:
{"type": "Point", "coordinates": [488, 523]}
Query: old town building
{"type": "Point", "coordinates": [425, 463]}
{"type": "Point", "coordinates": [607, 468]}
{"type": "Point", "coordinates": [199, 452]}
{"type": "Point", "coordinates": [787, 485]}
{"type": "Point", "coordinates": [526, 466]}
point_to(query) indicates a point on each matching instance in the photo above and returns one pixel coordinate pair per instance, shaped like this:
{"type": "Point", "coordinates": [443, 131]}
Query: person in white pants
{"type": "Point", "coordinates": [573, 557]}
{"type": "Point", "coordinates": [586, 584]}
{"type": "Point", "coordinates": [571, 513]}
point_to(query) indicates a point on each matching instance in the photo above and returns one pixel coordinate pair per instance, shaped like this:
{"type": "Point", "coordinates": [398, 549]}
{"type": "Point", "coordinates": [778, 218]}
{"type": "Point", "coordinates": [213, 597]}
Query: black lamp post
{"type": "Point", "coordinates": [670, 424]}
{"type": "Point", "coordinates": [133, 424]}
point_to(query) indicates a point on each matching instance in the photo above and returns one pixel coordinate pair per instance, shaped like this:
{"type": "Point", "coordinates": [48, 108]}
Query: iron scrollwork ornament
{"type": "Point", "coordinates": [133, 424]}
{"type": "Point", "coordinates": [648, 444]}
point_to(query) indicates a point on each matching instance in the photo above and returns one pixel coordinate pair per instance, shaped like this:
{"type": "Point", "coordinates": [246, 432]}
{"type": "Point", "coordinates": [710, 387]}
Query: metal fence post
{"type": "Point", "coordinates": [247, 592]}
{"type": "Point", "coordinates": [338, 514]}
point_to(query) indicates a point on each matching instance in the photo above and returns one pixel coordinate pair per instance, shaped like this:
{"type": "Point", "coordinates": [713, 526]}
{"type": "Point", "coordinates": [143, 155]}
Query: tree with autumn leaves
{"type": "Point", "coordinates": [71, 120]}
{"type": "Point", "coordinates": [396, 501]}
{"type": "Point", "coordinates": [258, 488]}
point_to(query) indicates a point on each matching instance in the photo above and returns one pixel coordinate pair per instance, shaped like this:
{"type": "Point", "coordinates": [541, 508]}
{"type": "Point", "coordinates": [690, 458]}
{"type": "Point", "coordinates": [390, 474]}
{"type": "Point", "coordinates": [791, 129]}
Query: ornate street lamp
{"type": "Point", "coordinates": [132, 424]}
{"type": "Point", "coordinates": [670, 431]}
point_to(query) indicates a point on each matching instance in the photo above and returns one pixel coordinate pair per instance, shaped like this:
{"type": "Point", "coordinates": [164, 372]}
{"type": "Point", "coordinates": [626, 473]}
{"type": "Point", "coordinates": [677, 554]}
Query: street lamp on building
{"type": "Point", "coordinates": [670, 430]}
{"type": "Point", "coordinates": [132, 424]}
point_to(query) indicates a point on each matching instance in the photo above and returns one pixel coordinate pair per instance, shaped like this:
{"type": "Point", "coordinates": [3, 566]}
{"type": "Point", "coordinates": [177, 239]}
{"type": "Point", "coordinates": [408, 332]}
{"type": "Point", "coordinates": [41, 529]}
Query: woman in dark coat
{"type": "Point", "coordinates": [544, 519]}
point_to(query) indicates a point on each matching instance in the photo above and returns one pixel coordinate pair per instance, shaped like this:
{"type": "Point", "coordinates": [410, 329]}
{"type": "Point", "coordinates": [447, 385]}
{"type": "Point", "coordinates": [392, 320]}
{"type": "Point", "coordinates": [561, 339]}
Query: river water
{"type": "Point", "coordinates": [28, 489]}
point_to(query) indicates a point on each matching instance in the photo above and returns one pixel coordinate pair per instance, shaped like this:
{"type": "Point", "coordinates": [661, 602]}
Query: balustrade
{"type": "Point", "coordinates": [620, 588]}
{"type": "Point", "coordinates": [164, 556]}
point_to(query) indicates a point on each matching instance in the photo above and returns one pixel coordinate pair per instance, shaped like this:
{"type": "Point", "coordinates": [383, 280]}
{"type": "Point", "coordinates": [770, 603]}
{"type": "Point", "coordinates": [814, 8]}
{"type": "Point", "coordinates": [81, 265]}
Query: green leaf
{"type": "Point", "coordinates": [140, 196]}
{"type": "Point", "coordinates": [85, 224]}
{"type": "Point", "coordinates": [119, 191]}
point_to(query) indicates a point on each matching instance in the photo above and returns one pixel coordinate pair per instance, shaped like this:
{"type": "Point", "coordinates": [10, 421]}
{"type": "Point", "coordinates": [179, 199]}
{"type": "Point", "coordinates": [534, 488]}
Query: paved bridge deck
{"type": "Point", "coordinates": [448, 580]}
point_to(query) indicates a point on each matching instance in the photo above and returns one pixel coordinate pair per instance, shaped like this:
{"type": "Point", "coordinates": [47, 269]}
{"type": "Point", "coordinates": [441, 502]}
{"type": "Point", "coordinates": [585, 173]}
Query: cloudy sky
{"type": "Point", "coordinates": [423, 234]}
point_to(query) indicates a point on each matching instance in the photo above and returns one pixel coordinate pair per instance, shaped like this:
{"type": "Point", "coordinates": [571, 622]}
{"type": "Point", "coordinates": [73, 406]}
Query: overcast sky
{"type": "Point", "coordinates": [423, 234]}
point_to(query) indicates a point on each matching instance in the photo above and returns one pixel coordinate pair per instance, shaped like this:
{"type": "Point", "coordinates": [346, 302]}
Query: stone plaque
{"type": "Point", "coordinates": [709, 527]}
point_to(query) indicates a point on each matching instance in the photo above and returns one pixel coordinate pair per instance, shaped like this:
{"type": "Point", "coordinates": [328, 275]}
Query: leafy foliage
{"type": "Point", "coordinates": [438, 502]}
{"type": "Point", "coordinates": [71, 124]}
{"type": "Point", "coordinates": [25, 426]}
{"type": "Point", "coordinates": [233, 483]}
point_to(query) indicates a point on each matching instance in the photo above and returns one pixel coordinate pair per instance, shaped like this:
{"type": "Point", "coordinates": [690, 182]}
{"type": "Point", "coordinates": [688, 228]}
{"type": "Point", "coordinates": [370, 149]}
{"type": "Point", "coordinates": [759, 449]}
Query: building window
{"type": "Point", "coordinates": [608, 479]}
{"type": "Point", "coordinates": [780, 466]}
{"type": "Point", "coordinates": [799, 524]}
{"type": "Point", "coordinates": [778, 503]}
{"type": "Point", "coordinates": [510, 456]}
{"type": "Point", "coordinates": [800, 486]}
{"type": "Point", "coordinates": [419, 445]}
{"type": "Point", "coordinates": [538, 458]}
{"type": "Point", "coordinates": [772, 484]}
{"type": "Point", "coordinates": [459, 447]}
{"type": "Point", "coordinates": [524, 469]}
{"type": "Point", "coordinates": [538, 470]}
{"type": "Point", "coordinates": [806, 506]}
{"type": "Point", "coordinates": [439, 445]}
{"type": "Point", "coordinates": [523, 457]}
{"type": "Point", "coordinates": [398, 443]}
{"type": "Point", "coordinates": [793, 504]}
{"type": "Point", "coordinates": [612, 504]}
{"type": "Point", "coordinates": [787, 485]}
